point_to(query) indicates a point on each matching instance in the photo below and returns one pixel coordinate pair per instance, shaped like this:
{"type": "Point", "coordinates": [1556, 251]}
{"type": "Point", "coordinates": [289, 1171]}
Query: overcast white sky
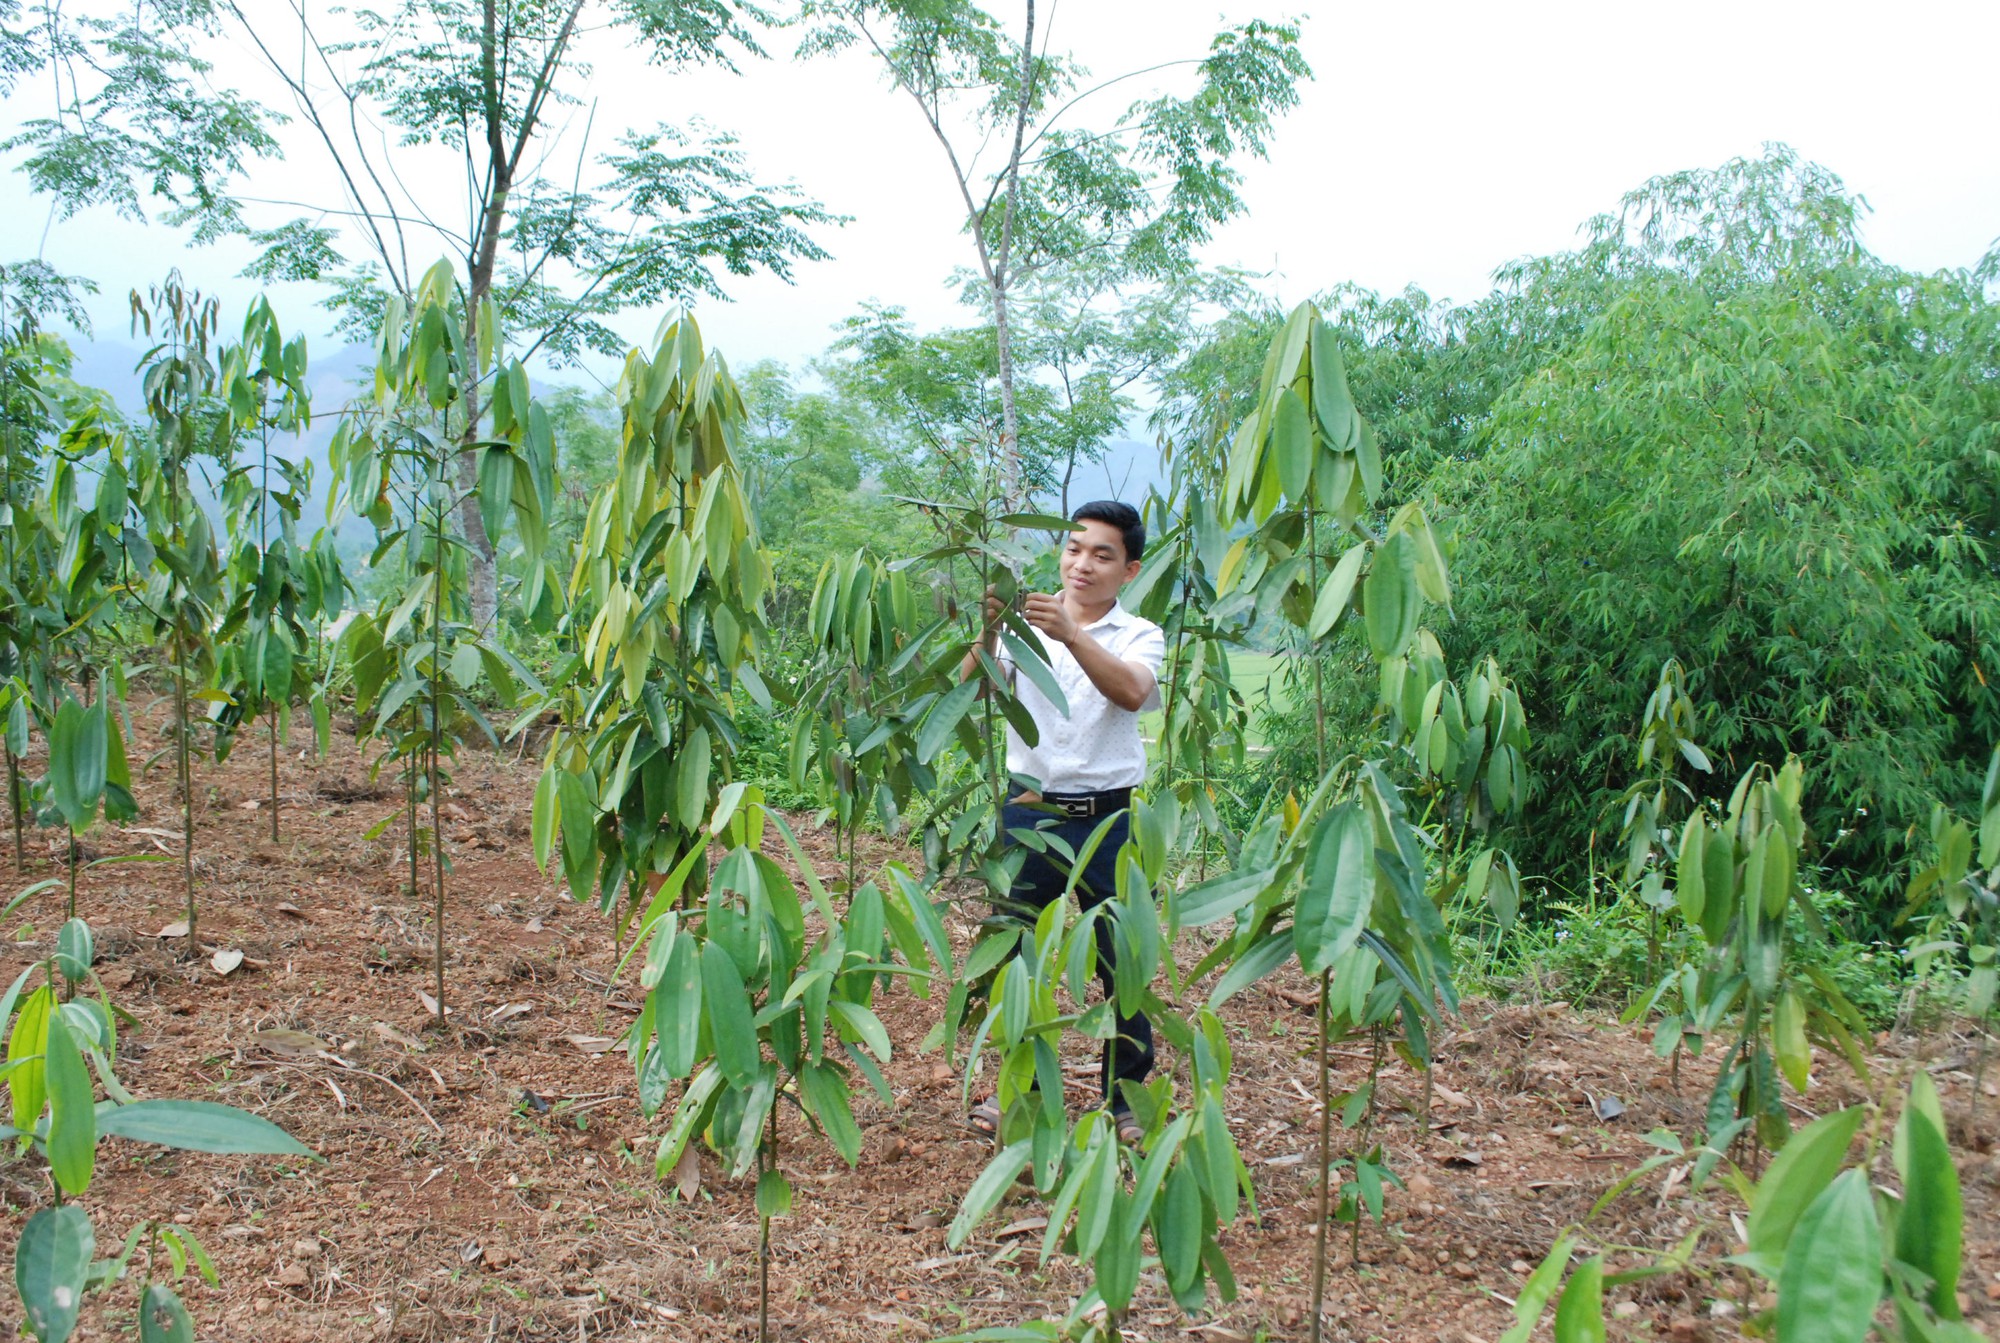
{"type": "Point", "coordinates": [1437, 141]}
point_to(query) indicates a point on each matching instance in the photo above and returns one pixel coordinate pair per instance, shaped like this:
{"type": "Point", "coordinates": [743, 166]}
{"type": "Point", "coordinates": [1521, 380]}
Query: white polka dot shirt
{"type": "Point", "coordinates": [1097, 746]}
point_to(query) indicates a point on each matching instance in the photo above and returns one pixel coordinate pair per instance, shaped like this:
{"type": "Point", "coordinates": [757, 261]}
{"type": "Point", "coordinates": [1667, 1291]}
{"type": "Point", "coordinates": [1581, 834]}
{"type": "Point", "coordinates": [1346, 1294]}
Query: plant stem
{"type": "Point", "coordinates": [431, 755]}
{"type": "Point", "coordinates": [14, 805]}
{"type": "Point", "coordinates": [410, 800]}
{"type": "Point", "coordinates": [264, 557]}
{"type": "Point", "coordinates": [186, 776]}
{"type": "Point", "coordinates": [72, 874]}
{"type": "Point", "coordinates": [1319, 687]}
{"type": "Point", "coordinates": [274, 776]}
{"type": "Point", "coordinates": [1325, 1162]}
{"type": "Point", "coordinates": [1368, 1131]}
{"type": "Point", "coordinates": [769, 1161]}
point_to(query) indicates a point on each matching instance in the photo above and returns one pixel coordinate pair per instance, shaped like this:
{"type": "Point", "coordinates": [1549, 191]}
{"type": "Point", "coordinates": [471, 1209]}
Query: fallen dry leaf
{"type": "Point", "coordinates": [1456, 1099]}
{"type": "Point", "coordinates": [591, 1044]}
{"type": "Point", "coordinates": [1024, 1226]}
{"type": "Point", "coordinates": [280, 1040]}
{"type": "Point", "coordinates": [431, 1005]}
{"type": "Point", "coordinates": [178, 928]}
{"type": "Point", "coordinates": [508, 1011]}
{"type": "Point", "coordinates": [287, 907]}
{"type": "Point", "coordinates": [687, 1174]}
{"type": "Point", "coordinates": [403, 1038]}
{"type": "Point", "coordinates": [226, 960]}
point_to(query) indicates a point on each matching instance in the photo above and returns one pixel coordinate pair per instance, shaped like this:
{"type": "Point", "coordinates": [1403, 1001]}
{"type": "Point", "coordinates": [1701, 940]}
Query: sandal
{"type": "Point", "coordinates": [1130, 1131]}
{"type": "Point", "coordinates": [984, 1119]}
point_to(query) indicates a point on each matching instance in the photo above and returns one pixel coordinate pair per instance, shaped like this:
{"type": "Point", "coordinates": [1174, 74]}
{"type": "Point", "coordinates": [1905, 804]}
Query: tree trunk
{"type": "Point", "coordinates": [481, 566]}
{"type": "Point", "coordinates": [1010, 419]}
{"type": "Point", "coordinates": [502, 163]}
{"type": "Point", "coordinates": [998, 276]}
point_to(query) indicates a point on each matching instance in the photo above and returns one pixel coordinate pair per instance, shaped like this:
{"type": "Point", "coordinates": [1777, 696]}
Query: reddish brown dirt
{"type": "Point", "coordinates": [451, 1205]}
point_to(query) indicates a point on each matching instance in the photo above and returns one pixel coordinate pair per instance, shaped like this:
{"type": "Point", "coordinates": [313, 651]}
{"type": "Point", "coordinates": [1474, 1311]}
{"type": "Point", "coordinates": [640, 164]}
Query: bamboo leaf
{"type": "Point", "coordinates": [984, 1196]}
{"type": "Point", "coordinates": [1336, 594]}
{"type": "Point", "coordinates": [162, 1317]}
{"type": "Point", "coordinates": [72, 1141]}
{"type": "Point", "coordinates": [1292, 445]}
{"type": "Point", "coordinates": [727, 1005]}
{"type": "Point", "coordinates": [1797, 1175]}
{"type": "Point", "coordinates": [1580, 1313]}
{"type": "Point", "coordinates": [1271, 951]}
{"type": "Point", "coordinates": [1535, 1293]}
{"type": "Point", "coordinates": [1930, 1229]}
{"type": "Point", "coordinates": [943, 719]}
{"type": "Point", "coordinates": [1831, 1281]}
{"type": "Point", "coordinates": [1218, 898]}
{"type": "Point", "coordinates": [825, 1094]}
{"type": "Point", "coordinates": [1333, 904]}
{"type": "Point", "coordinates": [51, 1268]}
{"type": "Point", "coordinates": [1391, 598]}
{"type": "Point", "coordinates": [199, 1126]}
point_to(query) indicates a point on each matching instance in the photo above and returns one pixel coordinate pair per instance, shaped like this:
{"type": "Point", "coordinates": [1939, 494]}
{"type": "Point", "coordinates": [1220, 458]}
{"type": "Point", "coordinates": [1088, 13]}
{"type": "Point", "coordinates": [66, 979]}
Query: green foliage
{"type": "Point", "coordinates": [819, 467]}
{"type": "Point", "coordinates": [277, 587]}
{"type": "Point", "coordinates": [189, 429]}
{"type": "Point", "coordinates": [1187, 1182]}
{"type": "Point", "coordinates": [744, 1008]}
{"type": "Point", "coordinates": [417, 658]}
{"type": "Point", "coordinates": [1837, 1245]}
{"type": "Point", "coordinates": [53, 1048]}
{"type": "Point", "coordinates": [136, 111]}
{"type": "Point", "coordinates": [1719, 431]}
{"type": "Point", "coordinates": [856, 735]}
{"type": "Point", "coordinates": [562, 243]}
{"type": "Point", "coordinates": [1958, 887]}
{"type": "Point", "coordinates": [666, 615]}
{"type": "Point", "coordinates": [1767, 447]}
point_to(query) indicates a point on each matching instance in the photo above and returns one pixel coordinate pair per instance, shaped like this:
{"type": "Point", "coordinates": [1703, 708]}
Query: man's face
{"type": "Point", "coordinates": [1094, 566]}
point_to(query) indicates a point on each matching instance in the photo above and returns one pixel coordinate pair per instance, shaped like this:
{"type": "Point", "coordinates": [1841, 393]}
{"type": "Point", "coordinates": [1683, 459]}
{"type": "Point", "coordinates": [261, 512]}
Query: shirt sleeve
{"type": "Point", "coordinates": [1149, 649]}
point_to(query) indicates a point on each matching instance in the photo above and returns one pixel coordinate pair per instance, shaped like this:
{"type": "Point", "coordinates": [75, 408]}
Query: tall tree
{"type": "Point", "coordinates": [463, 126]}
{"type": "Point", "coordinates": [1136, 193]}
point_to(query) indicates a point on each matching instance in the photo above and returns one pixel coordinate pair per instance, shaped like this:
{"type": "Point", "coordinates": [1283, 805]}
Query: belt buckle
{"type": "Point", "coordinates": [1078, 808]}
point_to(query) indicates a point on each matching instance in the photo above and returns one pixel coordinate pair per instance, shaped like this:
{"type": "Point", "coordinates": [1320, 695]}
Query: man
{"type": "Point", "coordinates": [1087, 762]}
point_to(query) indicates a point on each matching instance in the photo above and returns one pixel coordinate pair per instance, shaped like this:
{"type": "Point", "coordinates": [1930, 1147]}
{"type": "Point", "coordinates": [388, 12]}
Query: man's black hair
{"type": "Point", "coordinates": [1120, 515]}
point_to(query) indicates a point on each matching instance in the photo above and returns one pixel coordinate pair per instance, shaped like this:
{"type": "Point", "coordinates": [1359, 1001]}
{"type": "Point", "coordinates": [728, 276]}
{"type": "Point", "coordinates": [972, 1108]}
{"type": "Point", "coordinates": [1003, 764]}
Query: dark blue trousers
{"type": "Point", "coordinates": [1129, 1056]}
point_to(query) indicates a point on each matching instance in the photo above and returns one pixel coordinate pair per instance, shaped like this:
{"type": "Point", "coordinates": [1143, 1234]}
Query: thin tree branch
{"type": "Point", "coordinates": [303, 97]}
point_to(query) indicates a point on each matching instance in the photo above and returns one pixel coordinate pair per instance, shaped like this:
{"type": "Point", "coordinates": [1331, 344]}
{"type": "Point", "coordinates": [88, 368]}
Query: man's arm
{"type": "Point", "coordinates": [1127, 684]}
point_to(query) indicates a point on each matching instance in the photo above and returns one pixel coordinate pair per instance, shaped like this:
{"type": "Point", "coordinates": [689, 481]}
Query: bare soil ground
{"type": "Point", "coordinates": [496, 1181]}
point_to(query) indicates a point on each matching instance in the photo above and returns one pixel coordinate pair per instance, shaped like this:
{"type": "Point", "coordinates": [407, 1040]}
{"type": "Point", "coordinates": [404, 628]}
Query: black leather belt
{"type": "Point", "coordinates": [1085, 806]}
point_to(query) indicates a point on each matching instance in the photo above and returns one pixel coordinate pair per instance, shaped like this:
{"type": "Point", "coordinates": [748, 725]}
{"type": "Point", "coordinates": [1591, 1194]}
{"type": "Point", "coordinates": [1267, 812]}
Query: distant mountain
{"type": "Point", "coordinates": [113, 366]}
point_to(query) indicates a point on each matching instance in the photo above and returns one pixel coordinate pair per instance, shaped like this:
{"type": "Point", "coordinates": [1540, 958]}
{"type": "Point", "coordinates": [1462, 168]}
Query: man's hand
{"type": "Point", "coordinates": [989, 636]}
{"type": "Point", "coordinates": [996, 611]}
{"type": "Point", "coordinates": [1049, 615]}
